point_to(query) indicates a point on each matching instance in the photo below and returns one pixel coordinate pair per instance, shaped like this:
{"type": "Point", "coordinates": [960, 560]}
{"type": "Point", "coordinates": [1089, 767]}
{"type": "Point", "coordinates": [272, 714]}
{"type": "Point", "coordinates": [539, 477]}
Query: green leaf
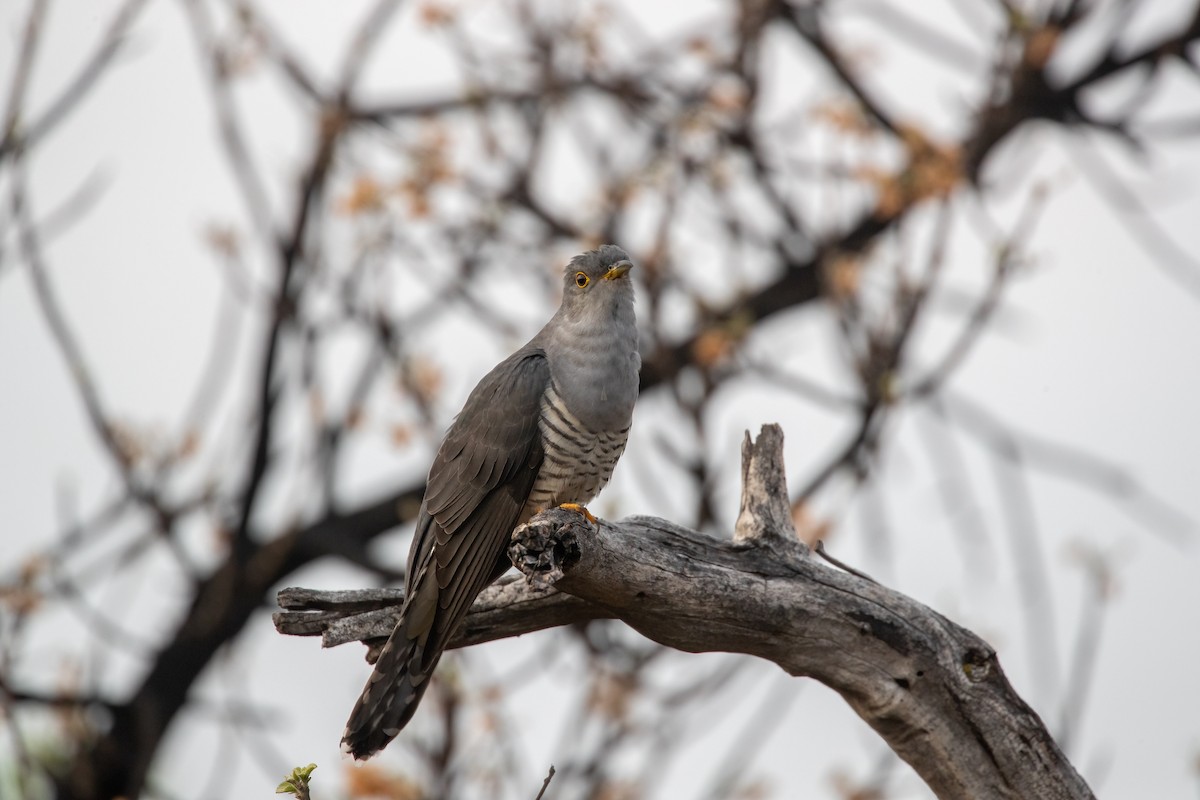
{"type": "Point", "coordinates": [297, 782]}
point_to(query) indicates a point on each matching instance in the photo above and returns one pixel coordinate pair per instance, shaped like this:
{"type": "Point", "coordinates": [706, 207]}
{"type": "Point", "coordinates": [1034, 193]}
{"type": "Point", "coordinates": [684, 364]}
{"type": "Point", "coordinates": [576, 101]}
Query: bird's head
{"type": "Point", "coordinates": [597, 283]}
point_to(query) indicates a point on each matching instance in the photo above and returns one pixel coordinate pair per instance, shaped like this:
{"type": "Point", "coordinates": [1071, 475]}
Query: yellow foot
{"type": "Point", "coordinates": [580, 510]}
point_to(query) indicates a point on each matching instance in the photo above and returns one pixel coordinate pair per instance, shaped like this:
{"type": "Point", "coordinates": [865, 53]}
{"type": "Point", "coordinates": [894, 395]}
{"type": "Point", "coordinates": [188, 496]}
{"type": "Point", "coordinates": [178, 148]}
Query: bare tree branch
{"type": "Point", "coordinates": [932, 689]}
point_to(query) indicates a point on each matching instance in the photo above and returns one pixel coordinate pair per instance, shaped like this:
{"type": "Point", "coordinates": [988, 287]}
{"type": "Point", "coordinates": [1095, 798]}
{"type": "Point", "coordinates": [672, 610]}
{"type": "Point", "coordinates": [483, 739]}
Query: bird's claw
{"type": "Point", "coordinates": [581, 510]}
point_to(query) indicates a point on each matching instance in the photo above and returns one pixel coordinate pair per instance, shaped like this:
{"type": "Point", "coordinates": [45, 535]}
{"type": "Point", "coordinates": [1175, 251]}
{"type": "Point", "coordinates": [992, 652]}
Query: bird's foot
{"type": "Point", "coordinates": [581, 510]}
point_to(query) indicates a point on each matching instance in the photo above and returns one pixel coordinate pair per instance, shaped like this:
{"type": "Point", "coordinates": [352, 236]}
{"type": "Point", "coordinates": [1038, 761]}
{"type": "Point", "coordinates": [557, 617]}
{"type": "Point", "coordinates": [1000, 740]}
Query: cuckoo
{"type": "Point", "coordinates": [544, 428]}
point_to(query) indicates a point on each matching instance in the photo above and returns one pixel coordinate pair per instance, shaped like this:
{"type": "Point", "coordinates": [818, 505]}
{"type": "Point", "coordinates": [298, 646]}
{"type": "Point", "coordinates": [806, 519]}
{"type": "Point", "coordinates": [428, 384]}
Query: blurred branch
{"type": "Point", "coordinates": [362, 44]}
{"type": "Point", "coordinates": [1105, 478]}
{"type": "Point", "coordinates": [1098, 589]}
{"type": "Point", "coordinates": [805, 20]}
{"type": "Point", "coordinates": [21, 135]}
{"type": "Point", "coordinates": [77, 365]}
{"type": "Point", "coordinates": [30, 40]}
{"type": "Point", "coordinates": [220, 72]}
{"type": "Point", "coordinates": [56, 699]}
{"type": "Point", "coordinates": [750, 743]}
{"type": "Point", "coordinates": [1008, 257]}
{"type": "Point", "coordinates": [1026, 542]}
{"type": "Point", "coordinates": [922, 37]}
{"type": "Point", "coordinates": [1173, 260]}
{"type": "Point", "coordinates": [1114, 61]}
{"type": "Point", "coordinates": [221, 605]}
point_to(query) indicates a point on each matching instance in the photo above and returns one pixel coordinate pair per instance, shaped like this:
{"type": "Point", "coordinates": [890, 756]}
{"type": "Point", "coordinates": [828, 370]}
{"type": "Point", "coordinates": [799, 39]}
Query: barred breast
{"type": "Point", "coordinates": [578, 461]}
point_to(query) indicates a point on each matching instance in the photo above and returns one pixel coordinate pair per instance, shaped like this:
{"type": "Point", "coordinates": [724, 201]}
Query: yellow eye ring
{"type": "Point", "coordinates": [582, 280]}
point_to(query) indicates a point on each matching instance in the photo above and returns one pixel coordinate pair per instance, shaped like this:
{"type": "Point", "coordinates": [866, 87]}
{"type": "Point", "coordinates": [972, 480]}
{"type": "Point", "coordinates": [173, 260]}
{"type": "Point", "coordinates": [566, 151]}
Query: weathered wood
{"type": "Point", "coordinates": [509, 608]}
{"type": "Point", "coordinates": [932, 689]}
{"type": "Point", "coordinates": [765, 512]}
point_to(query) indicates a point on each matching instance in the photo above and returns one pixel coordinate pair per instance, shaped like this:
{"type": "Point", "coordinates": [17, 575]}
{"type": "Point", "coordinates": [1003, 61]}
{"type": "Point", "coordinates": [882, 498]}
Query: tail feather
{"type": "Point", "coordinates": [439, 595]}
{"type": "Point", "coordinates": [391, 695]}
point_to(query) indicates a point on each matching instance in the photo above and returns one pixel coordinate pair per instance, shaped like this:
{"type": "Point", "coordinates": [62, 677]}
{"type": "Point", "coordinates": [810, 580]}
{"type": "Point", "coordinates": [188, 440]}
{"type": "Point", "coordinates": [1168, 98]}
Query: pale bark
{"type": "Point", "coordinates": [933, 690]}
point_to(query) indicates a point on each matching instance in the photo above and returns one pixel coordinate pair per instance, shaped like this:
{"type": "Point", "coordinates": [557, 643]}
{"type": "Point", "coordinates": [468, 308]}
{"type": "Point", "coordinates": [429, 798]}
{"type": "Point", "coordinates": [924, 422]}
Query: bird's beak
{"type": "Point", "coordinates": [618, 270]}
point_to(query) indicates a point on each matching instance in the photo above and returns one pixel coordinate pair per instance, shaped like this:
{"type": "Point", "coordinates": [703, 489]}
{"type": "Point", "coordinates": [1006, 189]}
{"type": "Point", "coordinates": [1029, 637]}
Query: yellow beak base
{"type": "Point", "coordinates": [617, 271]}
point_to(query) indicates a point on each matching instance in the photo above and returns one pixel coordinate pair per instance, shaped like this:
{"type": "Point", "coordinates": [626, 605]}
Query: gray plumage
{"type": "Point", "coordinates": [544, 427]}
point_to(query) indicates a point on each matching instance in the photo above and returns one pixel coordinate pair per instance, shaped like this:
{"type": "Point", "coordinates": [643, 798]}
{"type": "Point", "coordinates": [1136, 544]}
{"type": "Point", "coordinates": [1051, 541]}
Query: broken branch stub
{"type": "Point", "coordinates": [766, 512]}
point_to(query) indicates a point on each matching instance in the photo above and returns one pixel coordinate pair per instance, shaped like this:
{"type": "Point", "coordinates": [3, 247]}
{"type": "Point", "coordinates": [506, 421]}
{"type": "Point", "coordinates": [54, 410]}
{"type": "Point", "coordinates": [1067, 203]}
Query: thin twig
{"type": "Point", "coordinates": [823, 553]}
{"type": "Point", "coordinates": [545, 783]}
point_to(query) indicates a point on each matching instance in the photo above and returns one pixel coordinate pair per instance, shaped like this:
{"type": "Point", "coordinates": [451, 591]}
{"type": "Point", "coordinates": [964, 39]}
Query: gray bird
{"type": "Point", "coordinates": [544, 428]}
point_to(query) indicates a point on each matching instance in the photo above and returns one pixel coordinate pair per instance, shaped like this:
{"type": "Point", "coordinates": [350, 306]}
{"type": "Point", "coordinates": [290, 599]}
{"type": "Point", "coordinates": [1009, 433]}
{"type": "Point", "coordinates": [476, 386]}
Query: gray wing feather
{"type": "Point", "coordinates": [483, 474]}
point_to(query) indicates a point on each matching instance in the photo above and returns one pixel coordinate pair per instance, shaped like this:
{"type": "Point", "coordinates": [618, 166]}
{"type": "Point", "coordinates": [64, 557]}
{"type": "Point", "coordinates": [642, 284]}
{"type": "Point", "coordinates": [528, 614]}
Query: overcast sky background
{"type": "Point", "coordinates": [1097, 348]}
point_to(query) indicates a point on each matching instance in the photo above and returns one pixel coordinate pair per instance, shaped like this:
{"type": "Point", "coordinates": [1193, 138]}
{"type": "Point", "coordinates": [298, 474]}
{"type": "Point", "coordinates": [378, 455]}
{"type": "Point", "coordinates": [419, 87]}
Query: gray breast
{"type": "Point", "coordinates": [578, 460]}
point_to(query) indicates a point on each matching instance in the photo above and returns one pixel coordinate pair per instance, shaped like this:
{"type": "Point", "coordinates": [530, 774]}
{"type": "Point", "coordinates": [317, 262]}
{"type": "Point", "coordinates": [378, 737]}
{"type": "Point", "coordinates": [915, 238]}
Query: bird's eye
{"type": "Point", "coordinates": [582, 280]}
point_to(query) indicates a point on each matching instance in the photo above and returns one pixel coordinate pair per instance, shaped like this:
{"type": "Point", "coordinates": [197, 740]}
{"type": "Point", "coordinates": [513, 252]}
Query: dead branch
{"type": "Point", "coordinates": [932, 689]}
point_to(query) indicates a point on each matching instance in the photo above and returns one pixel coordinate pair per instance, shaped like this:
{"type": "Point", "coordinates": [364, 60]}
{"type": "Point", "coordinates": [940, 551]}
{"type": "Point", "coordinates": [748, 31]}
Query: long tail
{"type": "Point", "coordinates": [391, 695]}
{"type": "Point", "coordinates": [402, 671]}
{"type": "Point", "coordinates": [441, 587]}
